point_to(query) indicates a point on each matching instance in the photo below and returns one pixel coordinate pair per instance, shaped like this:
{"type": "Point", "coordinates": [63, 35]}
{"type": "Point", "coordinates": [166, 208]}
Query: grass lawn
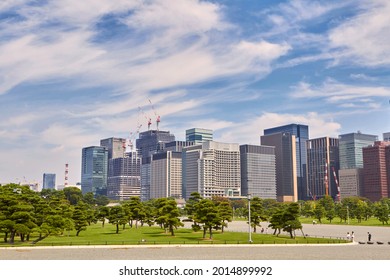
{"type": "Point", "coordinates": [97, 235]}
{"type": "Point", "coordinates": [353, 222]}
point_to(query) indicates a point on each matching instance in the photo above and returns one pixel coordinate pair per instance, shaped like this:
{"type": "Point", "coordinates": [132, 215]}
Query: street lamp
{"type": "Point", "coordinates": [249, 218]}
{"type": "Point", "coordinates": [348, 214]}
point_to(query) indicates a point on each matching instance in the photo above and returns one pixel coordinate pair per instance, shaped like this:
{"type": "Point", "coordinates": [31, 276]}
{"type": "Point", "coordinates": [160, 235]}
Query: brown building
{"type": "Point", "coordinates": [376, 161]}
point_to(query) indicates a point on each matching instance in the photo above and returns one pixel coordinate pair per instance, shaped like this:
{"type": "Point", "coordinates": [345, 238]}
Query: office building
{"type": "Point", "coordinates": [116, 147]}
{"type": "Point", "coordinates": [301, 133]}
{"type": "Point", "coordinates": [124, 177]}
{"type": "Point", "coordinates": [286, 164]}
{"type": "Point", "coordinates": [351, 162]}
{"type": "Point", "coordinates": [322, 164]}
{"type": "Point", "coordinates": [94, 163]}
{"type": "Point", "coordinates": [258, 171]}
{"type": "Point", "coordinates": [212, 169]}
{"type": "Point", "coordinates": [49, 181]}
{"type": "Point", "coordinates": [199, 135]}
{"type": "Point", "coordinates": [166, 175]}
{"type": "Point", "coordinates": [351, 182]}
{"type": "Point", "coordinates": [150, 142]}
{"type": "Point", "coordinates": [351, 149]}
{"type": "Point", "coordinates": [376, 170]}
{"type": "Point", "coordinates": [386, 136]}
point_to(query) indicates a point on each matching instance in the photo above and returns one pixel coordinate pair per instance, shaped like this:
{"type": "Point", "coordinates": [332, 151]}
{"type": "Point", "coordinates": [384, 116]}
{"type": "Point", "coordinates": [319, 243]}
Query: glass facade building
{"type": "Point", "coordinates": [49, 181]}
{"type": "Point", "coordinates": [258, 171]}
{"type": "Point", "coordinates": [94, 163]}
{"type": "Point", "coordinates": [301, 133]}
{"type": "Point", "coordinates": [199, 135]}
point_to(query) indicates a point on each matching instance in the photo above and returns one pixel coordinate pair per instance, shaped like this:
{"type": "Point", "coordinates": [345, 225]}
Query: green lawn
{"type": "Point", "coordinates": [97, 235]}
{"type": "Point", "coordinates": [353, 222]}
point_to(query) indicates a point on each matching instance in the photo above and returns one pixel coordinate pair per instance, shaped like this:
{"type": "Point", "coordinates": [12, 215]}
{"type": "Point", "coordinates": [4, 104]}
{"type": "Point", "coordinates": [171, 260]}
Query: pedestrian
{"type": "Point", "coordinates": [348, 236]}
{"type": "Point", "coordinates": [352, 236]}
{"type": "Point", "coordinates": [369, 236]}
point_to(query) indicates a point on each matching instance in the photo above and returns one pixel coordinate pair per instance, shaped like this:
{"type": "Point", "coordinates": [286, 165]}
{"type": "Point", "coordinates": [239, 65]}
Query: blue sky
{"type": "Point", "coordinates": [74, 72]}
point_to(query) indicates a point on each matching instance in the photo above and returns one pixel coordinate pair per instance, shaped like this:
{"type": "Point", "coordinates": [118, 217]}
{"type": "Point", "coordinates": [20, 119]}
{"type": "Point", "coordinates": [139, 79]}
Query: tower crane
{"type": "Point", "coordinates": [147, 118]}
{"type": "Point", "coordinates": [157, 116]}
{"type": "Point", "coordinates": [337, 183]}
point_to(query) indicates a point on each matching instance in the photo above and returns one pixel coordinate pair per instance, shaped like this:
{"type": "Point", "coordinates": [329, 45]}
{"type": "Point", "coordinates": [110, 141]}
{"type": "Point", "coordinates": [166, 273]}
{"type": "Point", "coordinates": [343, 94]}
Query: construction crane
{"type": "Point", "coordinates": [337, 183]}
{"type": "Point", "coordinates": [132, 137]}
{"type": "Point", "coordinates": [326, 182]}
{"type": "Point", "coordinates": [157, 116]}
{"type": "Point", "coordinates": [149, 120]}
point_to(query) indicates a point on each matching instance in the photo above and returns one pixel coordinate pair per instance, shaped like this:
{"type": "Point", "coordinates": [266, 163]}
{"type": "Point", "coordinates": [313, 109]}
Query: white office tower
{"type": "Point", "coordinates": [212, 169]}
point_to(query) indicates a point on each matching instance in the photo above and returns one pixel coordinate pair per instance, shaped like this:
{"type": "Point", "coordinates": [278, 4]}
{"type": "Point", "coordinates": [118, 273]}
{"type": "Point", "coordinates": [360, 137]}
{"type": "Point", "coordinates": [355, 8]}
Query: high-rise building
{"type": "Point", "coordinates": [386, 136]}
{"type": "Point", "coordinates": [351, 162]}
{"type": "Point", "coordinates": [199, 135]}
{"type": "Point", "coordinates": [166, 175]}
{"type": "Point", "coordinates": [376, 161]}
{"type": "Point", "coordinates": [301, 133]}
{"type": "Point", "coordinates": [116, 147]}
{"type": "Point", "coordinates": [94, 163]}
{"type": "Point", "coordinates": [124, 177]}
{"type": "Point", "coordinates": [212, 169]}
{"type": "Point", "coordinates": [351, 182]}
{"type": "Point", "coordinates": [258, 171]}
{"type": "Point", "coordinates": [286, 164]}
{"type": "Point", "coordinates": [351, 149]}
{"type": "Point", "coordinates": [322, 160]}
{"type": "Point", "coordinates": [49, 181]}
{"type": "Point", "coordinates": [149, 143]}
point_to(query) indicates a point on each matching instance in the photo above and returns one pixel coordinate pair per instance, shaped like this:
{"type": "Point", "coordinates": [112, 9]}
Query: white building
{"type": "Point", "coordinates": [212, 169]}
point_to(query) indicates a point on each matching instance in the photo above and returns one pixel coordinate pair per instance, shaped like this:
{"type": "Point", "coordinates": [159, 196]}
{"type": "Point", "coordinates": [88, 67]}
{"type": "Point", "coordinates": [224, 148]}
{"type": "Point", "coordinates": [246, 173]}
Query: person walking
{"type": "Point", "coordinates": [348, 236]}
{"type": "Point", "coordinates": [352, 236]}
{"type": "Point", "coordinates": [369, 236]}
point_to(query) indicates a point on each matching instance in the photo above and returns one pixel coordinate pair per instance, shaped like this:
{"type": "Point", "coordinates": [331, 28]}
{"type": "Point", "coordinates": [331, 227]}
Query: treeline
{"type": "Point", "coordinates": [25, 213]}
{"type": "Point", "coordinates": [358, 208]}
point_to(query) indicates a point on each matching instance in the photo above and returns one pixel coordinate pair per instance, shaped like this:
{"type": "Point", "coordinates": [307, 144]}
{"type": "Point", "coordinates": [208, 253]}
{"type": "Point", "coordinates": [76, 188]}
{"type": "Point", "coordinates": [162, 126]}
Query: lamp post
{"type": "Point", "coordinates": [249, 218]}
{"type": "Point", "coordinates": [348, 214]}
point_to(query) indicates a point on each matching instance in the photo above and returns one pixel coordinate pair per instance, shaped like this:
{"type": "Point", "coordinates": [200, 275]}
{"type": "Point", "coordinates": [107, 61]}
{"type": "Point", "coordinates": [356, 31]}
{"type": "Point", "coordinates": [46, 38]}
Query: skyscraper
{"type": "Point", "coordinates": [94, 170]}
{"type": "Point", "coordinates": [166, 175]}
{"type": "Point", "coordinates": [351, 162]}
{"type": "Point", "coordinates": [322, 159]}
{"type": "Point", "coordinates": [199, 135]}
{"type": "Point", "coordinates": [116, 147]}
{"type": "Point", "coordinates": [124, 177]}
{"type": "Point", "coordinates": [351, 149]}
{"type": "Point", "coordinates": [212, 169]}
{"type": "Point", "coordinates": [148, 143]}
{"type": "Point", "coordinates": [49, 181]}
{"type": "Point", "coordinates": [376, 170]}
{"type": "Point", "coordinates": [386, 136]}
{"type": "Point", "coordinates": [258, 171]}
{"type": "Point", "coordinates": [286, 164]}
{"type": "Point", "coordinates": [301, 133]}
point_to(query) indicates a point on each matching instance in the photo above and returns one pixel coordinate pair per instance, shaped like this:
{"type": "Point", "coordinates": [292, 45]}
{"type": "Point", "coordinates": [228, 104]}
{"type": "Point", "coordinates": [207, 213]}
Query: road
{"type": "Point", "coordinates": [351, 251]}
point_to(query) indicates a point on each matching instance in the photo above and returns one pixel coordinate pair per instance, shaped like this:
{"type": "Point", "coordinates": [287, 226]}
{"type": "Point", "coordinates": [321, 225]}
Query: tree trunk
{"type": "Point", "coordinates": [171, 230]}
{"type": "Point", "coordinates": [204, 232]}
{"type": "Point", "coordinates": [12, 237]}
{"type": "Point", "coordinates": [77, 233]}
{"type": "Point", "coordinates": [117, 228]}
{"type": "Point", "coordinates": [28, 237]}
{"type": "Point", "coordinates": [103, 222]}
{"type": "Point", "coordinates": [6, 237]}
{"type": "Point", "coordinates": [211, 232]}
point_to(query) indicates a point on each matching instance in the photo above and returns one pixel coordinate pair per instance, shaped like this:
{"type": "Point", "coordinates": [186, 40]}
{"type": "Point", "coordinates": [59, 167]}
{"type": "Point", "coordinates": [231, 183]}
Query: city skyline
{"type": "Point", "coordinates": [71, 73]}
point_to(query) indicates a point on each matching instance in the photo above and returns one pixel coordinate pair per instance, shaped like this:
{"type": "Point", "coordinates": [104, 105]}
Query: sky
{"type": "Point", "coordinates": [74, 72]}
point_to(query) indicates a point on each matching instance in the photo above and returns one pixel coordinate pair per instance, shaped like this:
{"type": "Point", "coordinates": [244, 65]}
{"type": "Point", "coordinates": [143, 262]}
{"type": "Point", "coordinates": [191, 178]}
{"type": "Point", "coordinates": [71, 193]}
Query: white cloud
{"type": "Point", "coordinates": [364, 39]}
{"type": "Point", "coordinates": [335, 92]}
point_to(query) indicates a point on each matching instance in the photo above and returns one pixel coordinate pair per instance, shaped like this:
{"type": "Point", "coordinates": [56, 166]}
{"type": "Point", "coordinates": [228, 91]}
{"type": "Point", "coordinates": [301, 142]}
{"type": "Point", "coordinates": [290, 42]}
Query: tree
{"type": "Point", "coordinates": [319, 212]}
{"type": "Point", "coordinates": [381, 212]}
{"type": "Point", "coordinates": [89, 199]}
{"type": "Point", "coordinates": [102, 214]}
{"type": "Point", "coordinates": [80, 219]}
{"type": "Point", "coordinates": [290, 219]}
{"type": "Point", "coordinates": [191, 209]}
{"type": "Point", "coordinates": [73, 195]}
{"type": "Point", "coordinates": [207, 215]}
{"type": "Point", "coordinates": [168, 215]}
{"type": "Point", "coordinates": [117, 216]}
{"type": "Point", "coordinates": [225, 212]}
{"type": "Point", "coordinates": [134, 210]}
{"type": "Point", "coordinates": [102, 200]}
{"type": "Point", "coordinates": [329, 207]}
{"type": "Point", "coordinates": [257, 213]}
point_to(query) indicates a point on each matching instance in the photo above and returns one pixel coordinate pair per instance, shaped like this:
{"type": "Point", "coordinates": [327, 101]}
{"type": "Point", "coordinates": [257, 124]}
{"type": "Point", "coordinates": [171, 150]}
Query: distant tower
{"type": "Point", "coordinates": [199, 135]}
{"type": "Point", "coordinates": [49, 181]}
{"type": "Point", "coordinates": [66, 174]}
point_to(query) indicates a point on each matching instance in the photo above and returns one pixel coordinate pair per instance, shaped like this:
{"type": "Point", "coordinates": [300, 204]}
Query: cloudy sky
{"type": "Point", "coordinates": [74, 72]}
